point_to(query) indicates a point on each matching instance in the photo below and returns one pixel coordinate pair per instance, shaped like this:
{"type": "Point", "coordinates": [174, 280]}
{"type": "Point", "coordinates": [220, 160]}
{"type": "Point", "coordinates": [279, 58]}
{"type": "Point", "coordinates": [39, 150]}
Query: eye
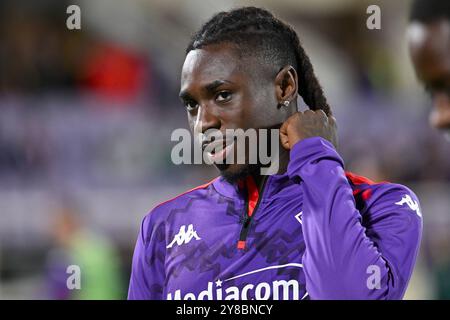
{"type": "Point", "coordinates": [433, 91]}
{"type": "Point", "coordinates": [429, 91]}
{"type": "Point", "coordinates": [190, 105]}
{"type": "Point", "coordinates": [223, 96]}
{"type": "Point", "coordinates": [447, 91]}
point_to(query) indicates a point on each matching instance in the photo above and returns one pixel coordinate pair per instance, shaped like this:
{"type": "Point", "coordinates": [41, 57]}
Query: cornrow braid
{"type": "Point", "coordinates": [256, 27]}
{"type": "Point", "coordinates": [429, 10]}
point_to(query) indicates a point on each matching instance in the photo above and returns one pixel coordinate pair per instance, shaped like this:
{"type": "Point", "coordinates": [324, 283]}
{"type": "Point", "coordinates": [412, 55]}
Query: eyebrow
{"type": "Point", "coordinates": [209, 87]}
{"type": "Point", "coordinates": [440, 84]}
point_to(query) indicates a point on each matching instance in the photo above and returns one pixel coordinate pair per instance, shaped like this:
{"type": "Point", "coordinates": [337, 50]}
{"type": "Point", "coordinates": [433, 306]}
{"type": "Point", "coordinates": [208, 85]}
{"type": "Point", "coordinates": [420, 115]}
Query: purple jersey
{"type": "Point", "coordinates": [315, 232]}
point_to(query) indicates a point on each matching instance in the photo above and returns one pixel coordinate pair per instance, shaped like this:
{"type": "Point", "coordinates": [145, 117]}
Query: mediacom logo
{"type": "Point", "coordinates": [277, 290]}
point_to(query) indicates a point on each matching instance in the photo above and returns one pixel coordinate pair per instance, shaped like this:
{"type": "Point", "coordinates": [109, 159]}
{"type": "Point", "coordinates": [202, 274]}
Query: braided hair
{"type": "Point", "coordinates": [429, 10]}
{"type": "Point", "coordinates": [256, 31]}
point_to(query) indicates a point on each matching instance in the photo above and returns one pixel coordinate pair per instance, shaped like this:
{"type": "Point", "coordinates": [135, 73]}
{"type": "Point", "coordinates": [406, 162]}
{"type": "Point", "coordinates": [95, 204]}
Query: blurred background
{"type": "Point", "coordinates": [86, 117]}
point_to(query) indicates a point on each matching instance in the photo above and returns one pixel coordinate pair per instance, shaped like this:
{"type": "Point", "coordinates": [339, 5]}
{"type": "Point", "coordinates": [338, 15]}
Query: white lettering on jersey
{"type": "Point", "coordinates": [298, 217]}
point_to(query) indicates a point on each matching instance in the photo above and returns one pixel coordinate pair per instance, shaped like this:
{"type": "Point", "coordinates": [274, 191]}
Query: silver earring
{"type": "Point", "coordinates": [286, 103]}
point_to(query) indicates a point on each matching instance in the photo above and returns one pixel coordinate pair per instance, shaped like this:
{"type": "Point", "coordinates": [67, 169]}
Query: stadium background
{"type": "Point", "coordinates": [86, 118]}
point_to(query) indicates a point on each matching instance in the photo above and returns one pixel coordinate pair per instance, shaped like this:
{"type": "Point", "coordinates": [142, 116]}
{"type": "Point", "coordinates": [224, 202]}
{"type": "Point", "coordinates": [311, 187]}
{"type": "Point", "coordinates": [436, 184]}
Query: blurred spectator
{"type": "Point", "coordinates": [92, 253]}
{"type": "Point", "coordinates": [116, 74]}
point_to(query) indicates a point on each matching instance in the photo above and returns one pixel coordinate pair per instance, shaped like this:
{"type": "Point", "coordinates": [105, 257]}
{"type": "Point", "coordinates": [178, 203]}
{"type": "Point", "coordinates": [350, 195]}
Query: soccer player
{"type": "Point", "coordinates": [429, 44]}
{"type": "Point", "coordinates": [310, 231]}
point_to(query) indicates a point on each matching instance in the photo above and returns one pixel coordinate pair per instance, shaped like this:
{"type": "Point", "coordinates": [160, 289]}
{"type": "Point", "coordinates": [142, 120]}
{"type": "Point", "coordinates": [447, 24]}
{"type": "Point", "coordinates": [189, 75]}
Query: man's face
{"type": "Point", "coordinates": [221, 91]}
{"type": "Point", "coordinates": [429, 46]}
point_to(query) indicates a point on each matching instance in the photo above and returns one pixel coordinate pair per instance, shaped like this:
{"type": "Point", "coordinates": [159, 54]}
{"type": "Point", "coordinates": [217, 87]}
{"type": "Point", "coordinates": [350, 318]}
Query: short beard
{"type": "Point", "coordinates": [242, 173]}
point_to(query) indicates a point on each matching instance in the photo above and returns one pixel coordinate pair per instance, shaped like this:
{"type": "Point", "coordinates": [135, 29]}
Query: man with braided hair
{"type": "Point", "coordinates": [308, 231]}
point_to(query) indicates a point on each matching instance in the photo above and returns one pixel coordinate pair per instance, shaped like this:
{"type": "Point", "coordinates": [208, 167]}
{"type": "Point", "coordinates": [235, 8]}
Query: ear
{"type": "Point", "coordinates": [286, 84]}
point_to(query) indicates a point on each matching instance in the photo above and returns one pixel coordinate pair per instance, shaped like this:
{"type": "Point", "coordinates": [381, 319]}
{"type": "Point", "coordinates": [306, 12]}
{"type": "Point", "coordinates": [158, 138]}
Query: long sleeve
{"type": "Point", "coordinates": [147, 274]}
{"type": "Point", "coordinates": [351, 254]}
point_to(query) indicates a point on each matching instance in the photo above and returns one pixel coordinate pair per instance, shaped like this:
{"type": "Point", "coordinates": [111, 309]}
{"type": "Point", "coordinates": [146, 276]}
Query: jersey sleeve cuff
{"type": "Point", "coordinates": [309, 152]}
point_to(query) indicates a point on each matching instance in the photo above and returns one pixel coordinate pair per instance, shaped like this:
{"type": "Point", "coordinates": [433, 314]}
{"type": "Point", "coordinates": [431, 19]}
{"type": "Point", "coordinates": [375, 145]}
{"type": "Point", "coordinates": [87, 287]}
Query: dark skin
{"type": "Point", "coordinates": [226, 92]}
{"type": "Point", "coordinates": [429, 46]}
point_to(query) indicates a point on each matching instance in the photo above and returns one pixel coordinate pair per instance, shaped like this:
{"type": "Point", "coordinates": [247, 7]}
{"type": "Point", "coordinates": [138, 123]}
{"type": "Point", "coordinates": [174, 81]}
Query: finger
{"type": "Point", "coordinates": [284, 126]}
{"type": "Point", "coordinates": [284, 140]}
{"type": "Point", "coordinates": [321, 113]}
{"type": "Point", "coordinates": [332, 121]}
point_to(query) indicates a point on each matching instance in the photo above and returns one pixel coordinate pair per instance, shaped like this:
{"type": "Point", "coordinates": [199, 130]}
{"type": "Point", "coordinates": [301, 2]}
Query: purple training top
{"type": "Point", "coordinates": [315, 232]}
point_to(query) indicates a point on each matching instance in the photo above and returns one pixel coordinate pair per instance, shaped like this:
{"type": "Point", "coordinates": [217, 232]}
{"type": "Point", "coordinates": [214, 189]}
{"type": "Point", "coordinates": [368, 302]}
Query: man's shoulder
{"type": "Point", "coordinates": [180, 200]}
{"type": "Point", "coordinates": [368, 193]}
{"type": "Point", "coordinates": [154, 222]}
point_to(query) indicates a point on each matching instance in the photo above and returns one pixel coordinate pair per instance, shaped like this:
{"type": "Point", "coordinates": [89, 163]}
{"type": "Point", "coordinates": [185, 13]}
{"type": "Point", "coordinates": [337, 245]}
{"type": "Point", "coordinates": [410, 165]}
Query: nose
{"type": "Point", "coordinates": [206, 120]}
{"type": "Point", "coordinates": [440, 114]}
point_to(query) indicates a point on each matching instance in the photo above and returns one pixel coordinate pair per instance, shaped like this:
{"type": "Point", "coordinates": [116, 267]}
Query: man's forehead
{"type": "Point", "coordinates": [211, 63]}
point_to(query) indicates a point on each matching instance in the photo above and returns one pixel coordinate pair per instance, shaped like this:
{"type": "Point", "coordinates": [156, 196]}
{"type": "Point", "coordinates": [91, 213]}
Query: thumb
{"type": "Point", "coordinates": [284, 139]}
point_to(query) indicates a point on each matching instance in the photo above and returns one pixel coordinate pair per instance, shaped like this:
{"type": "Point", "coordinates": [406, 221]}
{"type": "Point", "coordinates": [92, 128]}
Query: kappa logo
{"type": "Point", "coordinates": [413, 205]}
{"type": "Point", "coordinates": [184, 236]}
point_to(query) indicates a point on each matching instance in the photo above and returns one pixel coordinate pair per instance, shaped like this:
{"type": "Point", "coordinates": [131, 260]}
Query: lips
{"type": "Point", "coordinates": [217, 150]}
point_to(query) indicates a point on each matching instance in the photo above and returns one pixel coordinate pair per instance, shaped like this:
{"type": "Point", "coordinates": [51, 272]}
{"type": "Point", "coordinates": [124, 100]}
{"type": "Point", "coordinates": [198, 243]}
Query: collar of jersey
{"type": "Point", "coordinates": [273, 185]}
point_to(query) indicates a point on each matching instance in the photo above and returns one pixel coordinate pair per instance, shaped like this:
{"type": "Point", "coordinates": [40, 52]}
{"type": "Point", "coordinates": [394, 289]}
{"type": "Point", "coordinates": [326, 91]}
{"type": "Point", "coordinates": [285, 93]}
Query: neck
{"type": "Point", "coordinates": [283, 162]}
